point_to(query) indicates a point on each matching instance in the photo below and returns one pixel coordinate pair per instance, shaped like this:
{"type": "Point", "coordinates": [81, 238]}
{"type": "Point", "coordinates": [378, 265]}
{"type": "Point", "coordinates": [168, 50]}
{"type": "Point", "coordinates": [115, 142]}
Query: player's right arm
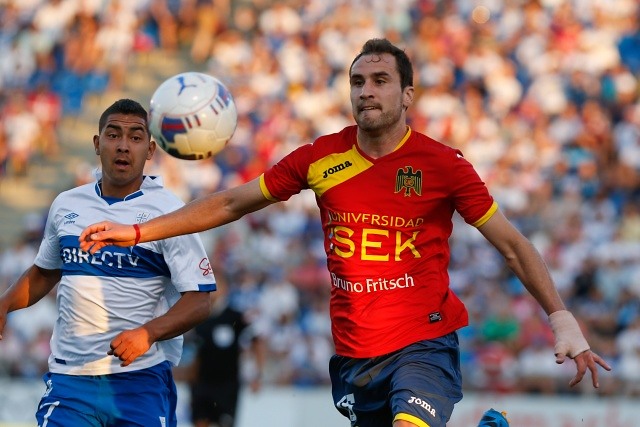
{"type": "Point", "coordinates": [31, 287]}
{"type": "Point", "coordinates": [207, 212]}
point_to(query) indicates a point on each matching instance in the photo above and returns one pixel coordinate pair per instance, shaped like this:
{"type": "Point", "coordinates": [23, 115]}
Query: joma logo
{"type": "Point", "coordinates": [424, 404]}
{"type": "Point", "coordinates": [336, 168]}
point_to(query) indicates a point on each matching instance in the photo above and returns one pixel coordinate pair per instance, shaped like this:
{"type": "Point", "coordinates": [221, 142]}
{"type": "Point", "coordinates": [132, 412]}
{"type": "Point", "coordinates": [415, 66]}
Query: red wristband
{"type": "Point", "coordinates": [137, 228]}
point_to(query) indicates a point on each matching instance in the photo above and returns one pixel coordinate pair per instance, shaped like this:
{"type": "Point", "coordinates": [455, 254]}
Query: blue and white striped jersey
{"type": "Point", "coordinates": [117, 288]}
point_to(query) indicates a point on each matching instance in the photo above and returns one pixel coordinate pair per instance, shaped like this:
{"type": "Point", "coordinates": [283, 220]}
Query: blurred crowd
{"type": "Point", "coordinates": [540, 95]}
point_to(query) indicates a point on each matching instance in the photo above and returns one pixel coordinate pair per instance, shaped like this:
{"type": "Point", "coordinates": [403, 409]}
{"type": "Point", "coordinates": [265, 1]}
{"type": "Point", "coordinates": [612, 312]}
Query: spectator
{"type": "Point", "coordinates": [47, 108]}
{"type": "Point", "coordinates": [22, 131]}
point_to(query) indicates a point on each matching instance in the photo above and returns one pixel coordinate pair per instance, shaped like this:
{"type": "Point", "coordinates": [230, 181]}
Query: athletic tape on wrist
{"type": "Point", "coordinates": [137, 228]}
{"type": "Point", "coordinates": [569, 337]}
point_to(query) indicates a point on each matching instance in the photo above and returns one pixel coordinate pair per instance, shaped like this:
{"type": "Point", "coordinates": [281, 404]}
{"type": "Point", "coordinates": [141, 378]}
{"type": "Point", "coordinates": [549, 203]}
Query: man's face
{"type": "Point", "coordinates": [377, 100]}
{"type": "Point", "coordinates": [124, 146]}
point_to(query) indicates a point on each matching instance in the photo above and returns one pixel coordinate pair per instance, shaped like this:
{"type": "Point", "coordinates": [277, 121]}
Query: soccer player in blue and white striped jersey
{"type": "Point", "coordinates": [121, 311]}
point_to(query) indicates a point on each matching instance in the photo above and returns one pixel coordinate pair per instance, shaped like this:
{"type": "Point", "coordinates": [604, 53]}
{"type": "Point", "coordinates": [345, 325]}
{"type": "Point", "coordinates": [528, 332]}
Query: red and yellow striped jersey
{"type": "Point", "coordinates": [386, 223]}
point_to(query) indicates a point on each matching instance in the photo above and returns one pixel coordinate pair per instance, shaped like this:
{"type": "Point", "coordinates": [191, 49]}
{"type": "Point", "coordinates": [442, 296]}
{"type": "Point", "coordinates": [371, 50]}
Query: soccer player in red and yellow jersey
{"type": "Point", "coordinates": [386, 195]}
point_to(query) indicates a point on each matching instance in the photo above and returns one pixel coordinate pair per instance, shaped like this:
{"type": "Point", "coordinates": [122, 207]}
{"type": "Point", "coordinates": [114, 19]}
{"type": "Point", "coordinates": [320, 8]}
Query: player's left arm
{"type": "Point", "coordinates": [191, 309]}
{"type": "Point", "coordinates": [527, 263]}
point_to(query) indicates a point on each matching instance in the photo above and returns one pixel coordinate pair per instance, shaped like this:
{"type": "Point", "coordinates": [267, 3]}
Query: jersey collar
{"type": "Point", "coordinates": [148, 182]}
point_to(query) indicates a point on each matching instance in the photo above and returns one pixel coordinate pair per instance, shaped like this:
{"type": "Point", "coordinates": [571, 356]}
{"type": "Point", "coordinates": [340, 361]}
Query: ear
{"type": "Point", "coordinates": [152, 149]}
{"type": "Point", "coordinates": [96, 144]}
{"type": "Point", "coordinates": [407, 97]}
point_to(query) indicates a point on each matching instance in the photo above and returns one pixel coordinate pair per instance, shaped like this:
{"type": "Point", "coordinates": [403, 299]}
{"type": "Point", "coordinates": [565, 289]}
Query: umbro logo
{"type": "Point", "coordinates": [70, 218]}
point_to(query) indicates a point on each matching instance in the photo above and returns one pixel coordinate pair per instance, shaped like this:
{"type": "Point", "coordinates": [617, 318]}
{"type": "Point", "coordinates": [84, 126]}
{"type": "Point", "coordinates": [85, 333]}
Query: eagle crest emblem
{"type": "Point", "coordinates": [407, 180]}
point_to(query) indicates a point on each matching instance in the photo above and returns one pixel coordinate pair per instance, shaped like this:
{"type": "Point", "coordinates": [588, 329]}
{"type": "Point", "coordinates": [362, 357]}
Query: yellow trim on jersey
{"type": "Point", "coordinates": [336, 168]}
{"type": "Point", "coordinates": [485, 217]}
{"type": "Point", "coordinates": [404, 139]}
{"type": "Point", "coordinates": [406, 417]}
{"type": "Point", "coordinates": [265, 191]}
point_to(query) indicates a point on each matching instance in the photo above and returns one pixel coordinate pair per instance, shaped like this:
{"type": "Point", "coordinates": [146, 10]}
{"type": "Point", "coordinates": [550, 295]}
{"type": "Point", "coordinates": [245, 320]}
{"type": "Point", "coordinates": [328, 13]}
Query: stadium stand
{"type": "Point", "coordinates": [541, 95]}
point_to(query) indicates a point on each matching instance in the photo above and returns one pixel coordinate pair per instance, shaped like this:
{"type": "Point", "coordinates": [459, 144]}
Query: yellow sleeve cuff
{"type": "Point", "coordinates": [489, 214]}
{"type": "Point", "coordinates": [265, 191]}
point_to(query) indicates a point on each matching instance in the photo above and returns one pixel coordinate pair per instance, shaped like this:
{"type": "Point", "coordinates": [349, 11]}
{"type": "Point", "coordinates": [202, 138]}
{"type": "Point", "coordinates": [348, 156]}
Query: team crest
{"type": "Point", "coordinates": [406, 180]}
{"type": "Point", "coordinates": [142, 217]}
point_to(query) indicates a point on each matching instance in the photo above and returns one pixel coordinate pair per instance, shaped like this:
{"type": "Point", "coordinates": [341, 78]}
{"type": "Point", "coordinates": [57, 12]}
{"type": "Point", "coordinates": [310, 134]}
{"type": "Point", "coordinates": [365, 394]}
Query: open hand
{"type": "Point", "coordinates": [585, 360]}
{"type": "Point", "coordinates": [101, 234]}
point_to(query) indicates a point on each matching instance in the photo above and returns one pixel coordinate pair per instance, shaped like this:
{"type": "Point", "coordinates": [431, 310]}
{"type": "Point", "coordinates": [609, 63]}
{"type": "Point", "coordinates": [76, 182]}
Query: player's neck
{"type": "Point", "coordinates": [377, 145]}
{"type": "Point", "coordinates": [116, 191]}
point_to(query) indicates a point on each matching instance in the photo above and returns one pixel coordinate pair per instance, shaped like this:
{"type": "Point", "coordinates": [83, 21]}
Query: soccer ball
{"type": "Point", "coordinates": [192, 116]}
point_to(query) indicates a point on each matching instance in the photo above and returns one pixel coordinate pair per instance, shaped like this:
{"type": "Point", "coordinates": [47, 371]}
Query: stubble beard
{"type": "Point", "coordinates": [384, 121]}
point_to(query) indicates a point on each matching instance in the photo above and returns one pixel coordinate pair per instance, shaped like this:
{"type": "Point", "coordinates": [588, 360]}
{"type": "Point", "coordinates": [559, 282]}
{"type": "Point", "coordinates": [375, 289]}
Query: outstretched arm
{"type": "Point", "coordinates": [30, 288]}
{"type": "Point", "coordinates": [526, 262]}
{"type": "Point", "coordinates": [201, 214]}
{"type": "Point", "coordinates": [191, 309]}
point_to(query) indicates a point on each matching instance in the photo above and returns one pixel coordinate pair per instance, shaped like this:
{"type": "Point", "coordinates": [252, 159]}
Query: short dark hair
{"type": "Point", "coordinates": [124, 106]}
{"type": "Point", "coordinates": [403, 63]}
